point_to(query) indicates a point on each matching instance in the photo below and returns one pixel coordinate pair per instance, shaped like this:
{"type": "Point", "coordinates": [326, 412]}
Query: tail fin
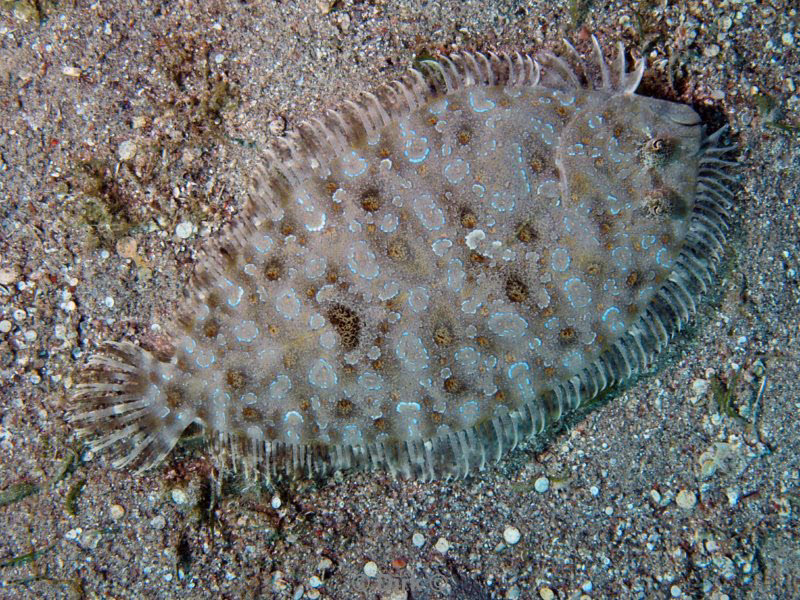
{"type": "Point", "coordinates": [126, 405]}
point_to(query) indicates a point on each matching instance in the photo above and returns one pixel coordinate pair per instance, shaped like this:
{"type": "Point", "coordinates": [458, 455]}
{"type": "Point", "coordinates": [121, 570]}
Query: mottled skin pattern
{"type": "Point", "coordinates": [439, 273]}
{"type": "Point", "coordinates": [484, 245]}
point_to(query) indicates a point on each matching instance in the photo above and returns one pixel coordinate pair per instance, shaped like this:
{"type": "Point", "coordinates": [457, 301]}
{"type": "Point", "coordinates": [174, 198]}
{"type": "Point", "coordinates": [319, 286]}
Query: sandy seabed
{"type": "Point", "coordinates": [125, 131]}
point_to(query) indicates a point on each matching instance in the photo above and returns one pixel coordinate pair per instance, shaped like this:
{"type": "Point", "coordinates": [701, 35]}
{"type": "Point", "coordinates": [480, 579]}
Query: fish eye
{"type": "Point", "coordinates": [659, 149]}
{"type": "Point", "coordinates": [661, 146]}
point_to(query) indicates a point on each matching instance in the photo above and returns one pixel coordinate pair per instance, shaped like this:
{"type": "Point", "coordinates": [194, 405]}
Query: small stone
{"type": "Point", "coordinates": [20, 315]}
{"type": "Point", "coordinates": [655, 495]}
{"type": "Point", "coordinates": [343, 20]}
{"type": "Point", "coordinates": [71, 71]}
{"type": "Point", "coordinates": [184, 230]}
{"type": "Point", "coordinates": [541, 485]}
{"type": "Point", "coordinates": [127, 150]}
{"type": "Point", "coordinates": [279, 583]}
{"type": "Point", "coordinates": [126, 247]}
{"type": "Point", "coordinates": [139, 122]}
{"type": "Point", "coordinates": [513, 593]}
{"type": "Point", "coordinates": [787, 39]}
{"type": "Point", "coordinates": [5, 326]}
{"type": "Point", "coordinates": [314, 581]}
{"type": "Point", "coordinates": [675, 591]}
{"type": "Point", "coordinates": [711, 51]}
{"type": "Point", "coordinates": [179, 496]}
{"type": "Point", "coordinates": [546, 593]}
{"type": "Point", "coordinates": [8, 275]}
{"type": "Point", "coordinates": [326, 6]}
{"type": "Point", "coordinates": [371, 569]}
{"type": "Point", "coordinates": [725, 23]}
{"type": "Point", "coordinates": [325, 564]}
{"type": "Point", "coordinates": [276, 502]}
{"type": "Point", "coordinates": [594, 490]}
{"type": "Point", "coordinates": [188, 156]}
{"type": "Point", "coordinates": [686, 499]}
{"type": "Point", "coordinates": [90, 539]}
{"type": "Point", "coordinates": [158, 522]}
{"type": "Point", "coordinates": [511, 535]}
{"type": "Point", "coordinates": [116, 511]}
{"type": "Point", "coordinates": [418, 540]}
{"type": "Point", "coordinates": [700, 387]}
{"type": "Point", "coordinates": [442, 545]}
{"type": "Point", "coordinates": [277, 126]}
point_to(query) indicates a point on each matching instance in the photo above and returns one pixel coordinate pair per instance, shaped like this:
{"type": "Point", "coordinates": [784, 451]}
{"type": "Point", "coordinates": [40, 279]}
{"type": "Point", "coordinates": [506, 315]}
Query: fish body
{"type": "Point", "coordinates": [432, 273]}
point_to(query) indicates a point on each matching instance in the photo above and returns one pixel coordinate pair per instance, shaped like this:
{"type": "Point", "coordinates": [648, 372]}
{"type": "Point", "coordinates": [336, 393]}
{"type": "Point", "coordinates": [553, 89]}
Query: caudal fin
{"type": "Point", "coordinates": [125, 405]}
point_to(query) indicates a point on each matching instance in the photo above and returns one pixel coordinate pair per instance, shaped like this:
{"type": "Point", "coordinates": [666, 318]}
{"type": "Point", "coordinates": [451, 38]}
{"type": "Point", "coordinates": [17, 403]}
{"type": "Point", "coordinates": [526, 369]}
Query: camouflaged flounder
{"type": "Point", "coordinates": [433, 273]}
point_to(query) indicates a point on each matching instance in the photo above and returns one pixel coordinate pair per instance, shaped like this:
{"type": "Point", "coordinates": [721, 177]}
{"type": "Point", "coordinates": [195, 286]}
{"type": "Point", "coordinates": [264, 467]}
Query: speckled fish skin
{"type": "Point", "coordinates": [428, 276]}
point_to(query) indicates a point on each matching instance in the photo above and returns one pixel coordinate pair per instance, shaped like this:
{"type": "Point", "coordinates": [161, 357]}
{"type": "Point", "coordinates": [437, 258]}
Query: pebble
{"type": "Point", "coordinates": [279, 583]}
{"type": "Point", "coordinates": [418, 540]}
{"type": "Point", "coordinates": [314, 581]}
{"type": "Point", "coordinates": [5, 326]}
{"type": "Point", "coordinates": [117, 511]}
{"type": "Point", "coordinates": [700, 387]}
{"type": "Point", "coordinates": [325, 6]}
{"type": "Point", "coordinates": [127, 150]}
{"type": "Point", "coordinates": [371, 569]}
{"type": "Point", "coordinates": [158, 522]}
{"type": "Point", "coordinates": [277, 126]}
{"type": "Point", "coordinates": [8, 275]}
{"type": "Point", "coordinates": [184, 230]}
{"type": "Point", "coordinates": [276, 502]}
{"type": "Point", "coordinates": [126, 247]}
{"type": "Point", "coordinates": [787, 39]}
{"type": "Point", "coordinates": [686, 499]}
{"type": "Point", "coordinates": [541, 485]}
{"type": "Point", "coordinates": [179, 496]}
{"type": "Point", "coordinates": [442, 545]}
{"type": "Point", "coordinates": [511, 535]}
{"type": "Point", "coordinates": [546, 593]}
{"type": "Point", "coordinates": [675, 591]}
{"type": "Point", "coordinates": [513, 593]}
{"type": "Point", "coordinates": [70, 71]}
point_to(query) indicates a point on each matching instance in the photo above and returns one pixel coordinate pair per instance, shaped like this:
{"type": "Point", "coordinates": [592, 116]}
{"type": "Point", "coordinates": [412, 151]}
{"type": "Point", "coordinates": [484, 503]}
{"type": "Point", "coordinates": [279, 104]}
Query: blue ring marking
{"type": "Point", "coordinates": [488, 104]}
{"type": "Point", "coordinates": [351, 170]}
